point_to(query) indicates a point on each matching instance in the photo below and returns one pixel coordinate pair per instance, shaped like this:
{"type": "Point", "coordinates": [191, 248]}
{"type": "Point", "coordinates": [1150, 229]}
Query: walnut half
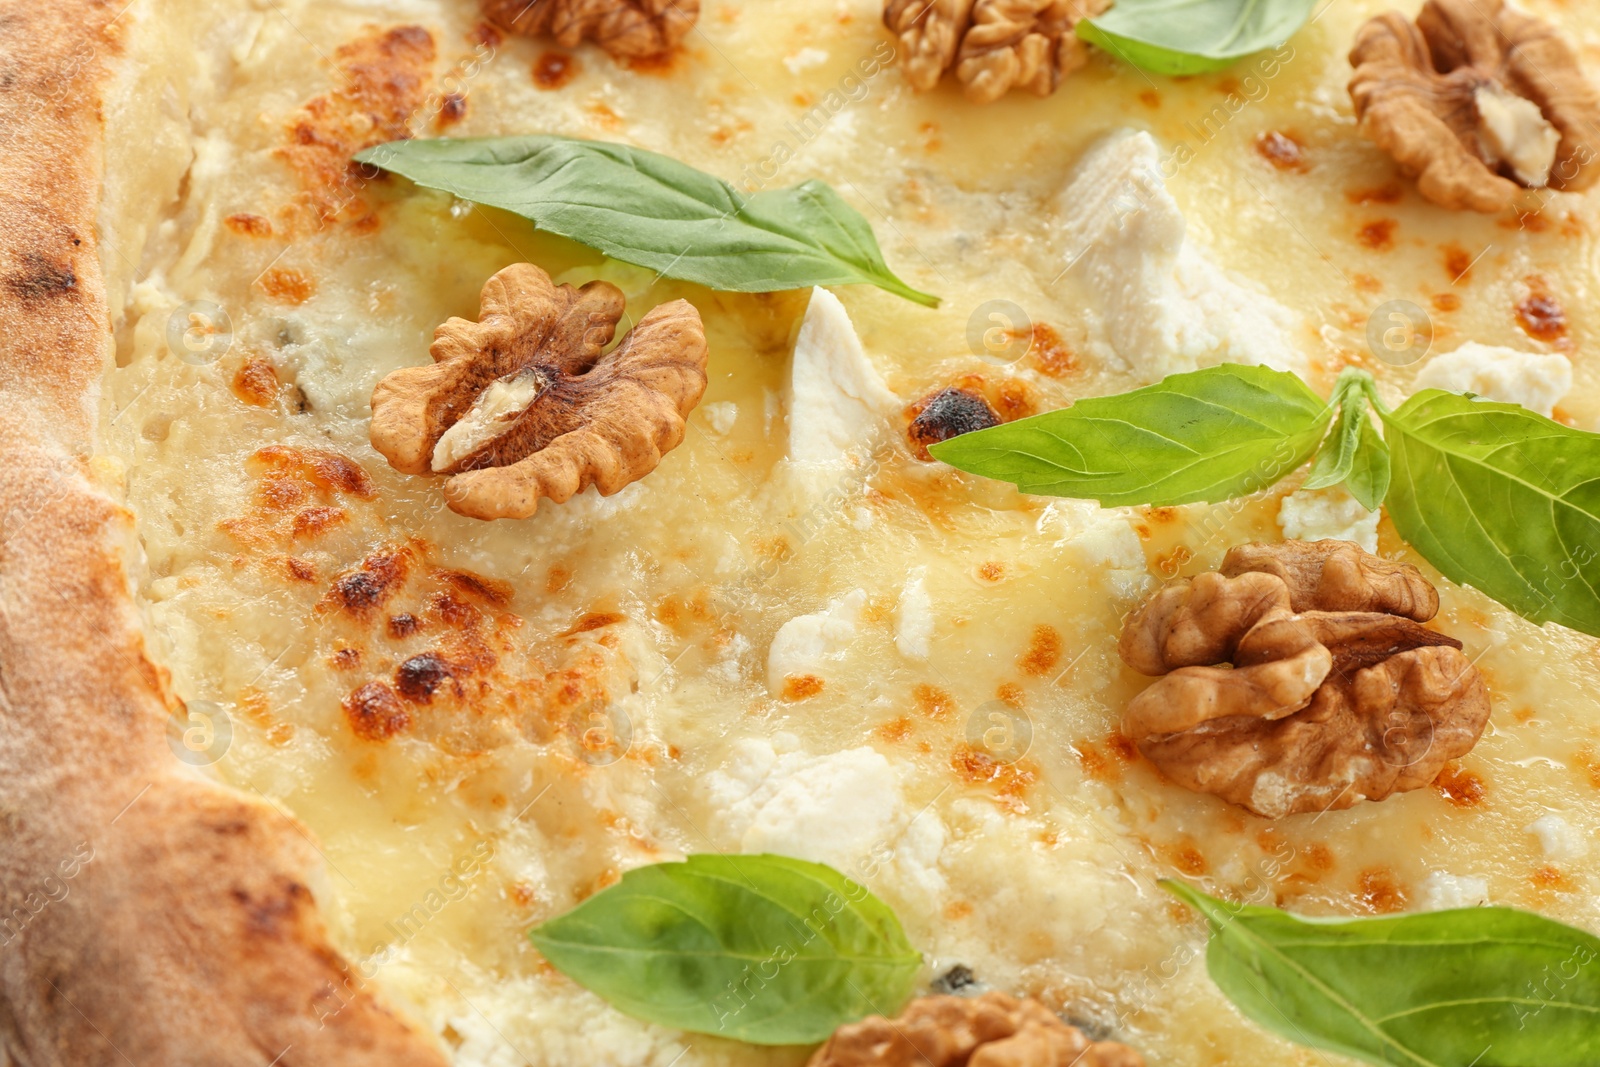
{"type": "Point", "coordinates": [1300, 678]}
{"type": "Point", "coordinates": [1475, 100]}
{"type": "Point", "coordinates": [526, 403]}
{"type": "Point", "coordinates": [992, 45]}
{"type": "Point", "coordinates": [631, 29]}
{"type": "Point", "coordinates": [992, 1030]}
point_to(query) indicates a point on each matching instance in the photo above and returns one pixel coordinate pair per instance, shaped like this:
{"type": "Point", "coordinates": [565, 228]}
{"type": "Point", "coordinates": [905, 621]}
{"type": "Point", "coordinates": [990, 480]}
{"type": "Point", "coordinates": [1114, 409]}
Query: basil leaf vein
{"type": "Point", "coordinates": [1495, 987]}
{"type": "Point", "coordinates": [1204, 436]}
{"type": "Point", "coordinates": [651, 210]}
{"type": "Point", "coordinates": [1178, 37]}
{"type": "Point", "coordinates": [1502, 499]}
{"type": "Point", "coordinates": [763, 949]}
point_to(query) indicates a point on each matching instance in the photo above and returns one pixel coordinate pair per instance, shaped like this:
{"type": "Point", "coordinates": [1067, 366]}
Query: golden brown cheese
{"type": "Point", "coordinates": [485, 723]}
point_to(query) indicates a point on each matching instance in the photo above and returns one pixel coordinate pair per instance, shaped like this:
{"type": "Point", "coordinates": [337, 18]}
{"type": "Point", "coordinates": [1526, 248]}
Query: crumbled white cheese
{"type": "Point", "coordinates": [721, 415]}
{"type": "Point", "coordinates": [490, 416]}
{"type": "Point", "coordinates": [1537, 382]}
{"type": "Point", "coordinates": [805, 644]}
{"type": "Point", "coordinates": [837, 399]}
{"type": "Point", "coordinates": [1104, 536]}
{"type": "Point", "coordinates": [1165, 307]}
{"type": "Point", "coordinates": [1559, 839]}
{"type": "Point", "coordinates": [913, 619]}
{"type": "Point", "coordinates": [1328, 514]}
{"type": "Point", "coordinates": [837, 808]}
{"type": "Point", "coordinates": [1514, 131]}
{"type": "Point", "coordinates": [805, 59]}
{"type": "Point", "coordinates": [1442, 891]}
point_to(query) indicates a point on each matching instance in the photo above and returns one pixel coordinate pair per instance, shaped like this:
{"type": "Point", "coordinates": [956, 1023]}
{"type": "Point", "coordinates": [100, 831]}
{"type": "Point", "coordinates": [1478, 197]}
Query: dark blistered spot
{"type": "Point", "coordinates": [359, 592]}
{"type": "Point", "coordinates": [1542, 317]}
{"type": "Point", "coordinates": [419, 676]}
{"type": "Point", "coordinates": [313, 522]}
{"type": "Point", "coordinates": [41, 278]}
{"type": "Point", "coordinates": [403, 625]}
{"type": "Point", "coordinates": [1281, 150]}
{"type": "Point", "coordinates": [595, 620]}
{"type": "Point", "coordinates": [346, 659]}
{"type": "Point", "coordinates": [375, 713]}
{"type": "Point", "coordinates": [954, 980]}
{"type": "Point", "coordinates": [1378, 234]}
{"type": "Point", "coordinates": [324, 468]}
{"type": "Point", "coordinates": [300, 570]}
{"type": "Point", "coordinates": [552, 70]}
{"type": "Point", "coordinates": [497, 593]}
{"type": "Point", "coordinates": [453, 612]}
{"type": "Point", "coordinates": [453, 109]}
{"type": "Point", "coordinates": [949, 413]}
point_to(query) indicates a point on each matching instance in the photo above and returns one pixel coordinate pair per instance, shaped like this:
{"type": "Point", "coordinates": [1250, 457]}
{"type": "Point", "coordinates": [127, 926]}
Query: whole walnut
{"type": "Point", "coordinates": [631, 29]}
{"type": "Point", "coordinates": [991, 1030]}
{"type": "Point", "coordinates": [1300, 678]}
{"type": "Point", "coordinates": [1476, 100]}
{"type": "Point", "coordinates": [993, 46]}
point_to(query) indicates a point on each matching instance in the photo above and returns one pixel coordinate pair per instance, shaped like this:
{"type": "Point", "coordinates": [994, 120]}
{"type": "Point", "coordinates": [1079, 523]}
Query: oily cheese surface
{"type": "Point", "coordinates": [624, 681]}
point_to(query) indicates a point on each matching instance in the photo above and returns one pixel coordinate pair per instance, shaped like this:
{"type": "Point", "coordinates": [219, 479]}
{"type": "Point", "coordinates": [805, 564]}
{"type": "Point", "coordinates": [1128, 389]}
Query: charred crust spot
{"type": "Point", "coordinates": [419, 677]}
{"type": "Point", "coordinates": [375, 713]}
{"type": "Point", "coordinates": [485, 35]}
{"type": "Point", "coordinates": [1376, 889]}
{"type": "Point", "coordinates": [287, 285]}
{"type": "Point", "coordinates": [933, 702]}
{"type": "Point", "coordinates": [452, 109]}
{"type": "Point", "coordinates": [1377, 194]}
{"type": "Point", "coordinates": [42, 278]}
{"type": "Point", "coordinates": [1542, 317]}
{"type": "Point", "coordinates": [1464, 789]}
{"type": "Point", "coordinates": [313, 522]}
{"type": "Point", "coordinates": [248, 225]}
{"type": "Point", "coordinates": [595, 620]}
{"type": "Point", "coordinates": [1282, 150]}
{"type": "Point", "coordinates": [323, 468]}
{"type": "Point", "coordinates": [946, 414]}
{"type": "Point", "coordinates": [1051, 355]}
{"type": "Point", "coordinates": [300, 570]}
{"type": "Point", "coordinates": [1378, 234]}
{"type": "Point", "coordinates": [801, 686]}
{"type": "Point", "coordinates": [553, 70]}
{"type": "Point", "coordinates": [361, 591]}
{"type": "Point", "coordinates": [1457, 263]}
{"type": "Point", "coordinates": [1043, 653]}
{"type": "Point", "coordinates": [475, 585]}
{"type": "Point", "coordinates": [403, 625]}
{"type": "Point", "coordinates": [256, 383]}
{"type": "Point", "coordinates": [346, 659]}
{"type": "Point", "coordinates": [456, 614]}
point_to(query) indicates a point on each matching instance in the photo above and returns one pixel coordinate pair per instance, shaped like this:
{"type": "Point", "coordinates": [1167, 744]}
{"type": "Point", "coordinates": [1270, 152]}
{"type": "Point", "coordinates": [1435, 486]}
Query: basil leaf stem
{"type": "Point", "coordinates": [651, 210]}
{"type": "Point", "coordinates": [1491, 987]}
{"type": "Point", "coordinates": [764, 949]}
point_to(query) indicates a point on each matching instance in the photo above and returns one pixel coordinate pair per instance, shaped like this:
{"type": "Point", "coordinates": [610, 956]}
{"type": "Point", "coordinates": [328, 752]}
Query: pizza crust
{"type": "Point", "coordinates": [149, 914]}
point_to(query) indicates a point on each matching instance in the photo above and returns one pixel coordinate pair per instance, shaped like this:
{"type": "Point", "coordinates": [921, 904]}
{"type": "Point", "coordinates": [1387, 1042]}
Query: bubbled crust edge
{"type": "Point", "coordinates": [188, 935]}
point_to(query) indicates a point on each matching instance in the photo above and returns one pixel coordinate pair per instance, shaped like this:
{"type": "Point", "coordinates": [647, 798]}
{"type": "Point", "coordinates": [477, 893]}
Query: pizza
{"type": "Point", "coordinates": [642, 532]}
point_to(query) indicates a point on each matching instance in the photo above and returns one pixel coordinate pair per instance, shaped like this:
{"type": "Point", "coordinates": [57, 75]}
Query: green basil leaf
{"type": "Point", "coordinates": [1355, 455]}
{"type": "Point", "coordinates": [1502, 499]}
{"type": "Point", "coordinates": [1490, 987]}
{"type": "Point", "coordinates": [653, 211]}
{"type": "Point", "coordinates": [1193, 36]}
{"type": "Point", "coordinates": [1204, 436]}
{"type": "Point", "coordinates": [765, 949]}
{"type": "Point", "coordinates": [1370, 474]}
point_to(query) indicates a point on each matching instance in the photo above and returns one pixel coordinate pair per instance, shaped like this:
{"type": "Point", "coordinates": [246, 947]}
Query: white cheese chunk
{"type": "Point", "coordinates": [836, 808]}
{"type": "Point", "coordinates": [1558, 838]}
{"type": "Point", "coordinates": [1537, 382]}
{"type": "Point", "coordinates": [1328, 514]}
{"type": "Point", "coordinates": [1515, 132]}
{"type": "Point", "coordinates": [805, 59]}
{"type": "Point", "coordinates": [490, 416]}
{"type": "Point", "coordinates": [1164, 305]}
{"type": "Point", "coordinates": [1442, 891]}
{"type": "Point", "coordinates": [807, 643]}
{"type": "Point", "coordinates": [913, 620]}
{"type": "Point", "coordinates": [837, 400]}
{"type": "Point", "coordinates": [721, 415]}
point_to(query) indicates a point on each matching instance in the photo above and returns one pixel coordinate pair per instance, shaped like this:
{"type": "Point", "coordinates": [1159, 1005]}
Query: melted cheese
{"type": "Point", "coordinates": [591, 671]}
